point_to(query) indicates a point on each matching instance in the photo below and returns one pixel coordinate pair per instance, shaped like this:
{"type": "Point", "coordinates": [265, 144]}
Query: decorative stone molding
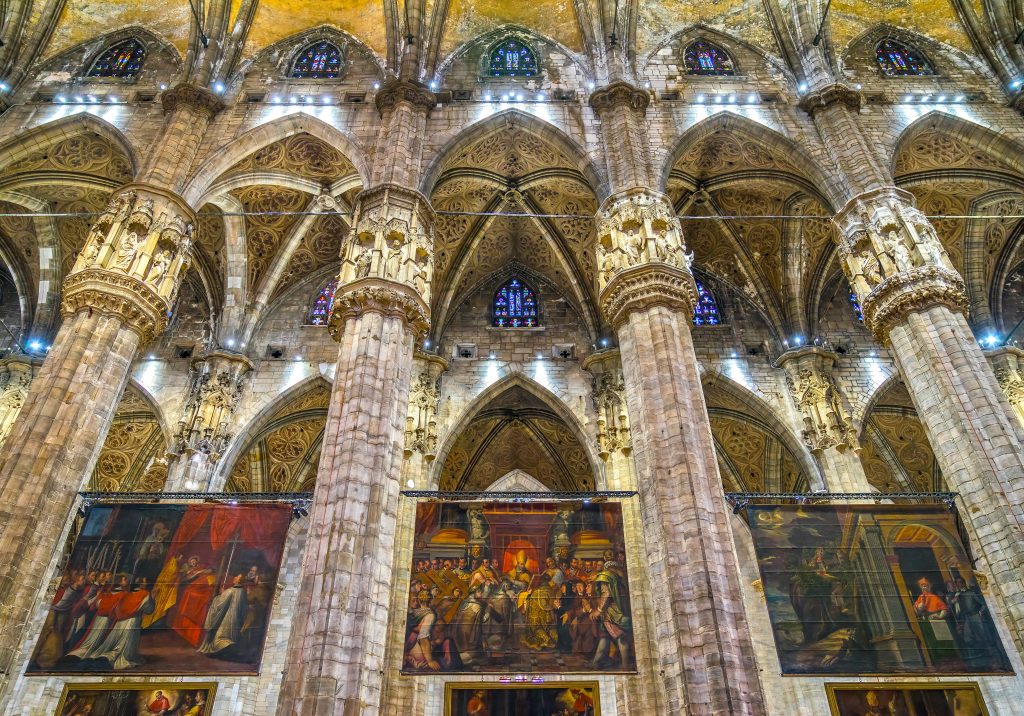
{"type": "Point", "coordinates": [134, 259]}
{"type": "Point", "coordinates": [640, 288]}
{"type": "Point", "coordinates": [216, 382]}
{"type": "Point", "coordinates": [831, 95]}
{"type": "Point", "coordinates": [374, 296]}
{"type": "Point", "coordinates": [610, 402]}
{"type": "Point", "coordinates": [827, 423]}
{"type": "Point", "coordinates": [16, 373]}
{"type": "Point", "coordinates": [396, 91]}
{"type": "Point", "coordinates": [619, 94]}
{"type": "Point", "coordinates": [189, 95]}
{"type": "Point", "coordinates": [894, 260]}
{"type": "Point", "coordinates": [424, 396]}
{"type": "Point", "coordinates": [1008, 365]}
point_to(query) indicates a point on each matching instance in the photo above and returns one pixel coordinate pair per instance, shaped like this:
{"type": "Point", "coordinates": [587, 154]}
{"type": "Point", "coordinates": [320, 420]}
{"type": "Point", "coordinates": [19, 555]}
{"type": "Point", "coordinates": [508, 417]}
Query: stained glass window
{"type": "Point", "coordinates": [512, 58]}
{"type": "Point", "coordinates": [703, 58]}
{"type": "Point", "coordinates": [897, 60]}
{"type": "Point", "coordinates": [321, 60]}
{"type": "Point", "coordinates": [706, 311]}
{"type": "Point", "coordinates": [515, 306]}
{"type": "Point", "coordinates": [123, 59]}
{"type": "Point", "coordinates": [856, 307]}
{"type": "Point", "coordinates": [321, 309]}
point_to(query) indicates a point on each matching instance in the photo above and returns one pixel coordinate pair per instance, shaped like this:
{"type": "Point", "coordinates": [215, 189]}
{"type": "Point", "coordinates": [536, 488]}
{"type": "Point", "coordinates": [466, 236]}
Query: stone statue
{"type": "Point", "coordinates": [126, 251]}
{"type": "Point", "coordinates": [161, 262]}
{"type": "Point", "coordinates": [900, 252]}
{"type": "Point", "coordinates": [477, 526]}
{"type": "Point", "coordinates": [393, 263]}
{"type": "Point", "coordinates": [363, 263]}
{"type": "Point", "coordinates": [607, 265]}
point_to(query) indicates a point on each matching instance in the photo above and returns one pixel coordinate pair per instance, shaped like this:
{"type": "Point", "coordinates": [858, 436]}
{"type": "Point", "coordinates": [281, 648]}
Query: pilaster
{"type": "Point", "coordinates": [1008, 365]}
{"type": "Point", "coordinates": [188, 111]}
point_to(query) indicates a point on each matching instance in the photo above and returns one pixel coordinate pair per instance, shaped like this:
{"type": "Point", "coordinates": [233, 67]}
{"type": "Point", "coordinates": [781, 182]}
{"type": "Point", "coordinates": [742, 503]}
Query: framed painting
{"type": "Point", "coordinates": [179, 698]}
{"type": "Point", "coordinates": [521, 587]}
{"type": "Point", "coordinates": [905, 700]}
{"type": "Point", "coordinates": [873, 589]}
{"type": "Point", "coordinates": [564, 698]}
{"type": "Point", "coordinates": [169, 589]}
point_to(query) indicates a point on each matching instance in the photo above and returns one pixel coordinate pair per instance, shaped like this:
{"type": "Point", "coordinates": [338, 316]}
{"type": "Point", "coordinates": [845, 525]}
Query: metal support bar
{"type": "Point", "coordinates": [300, 501]}
{"type": "Point", "coordinates": [739, 500]}
{"type": "Point", "coordinates": [471, 496]}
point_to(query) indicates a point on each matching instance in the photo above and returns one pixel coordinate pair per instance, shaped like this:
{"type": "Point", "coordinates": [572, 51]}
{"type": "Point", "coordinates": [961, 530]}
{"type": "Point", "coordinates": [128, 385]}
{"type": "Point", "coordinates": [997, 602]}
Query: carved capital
{"type": "Point", "coordinates": [619, 94]}
{"type": "Point", "coordinates": [829, 96]}
{"type": "Point", "coordinates": [912, 291]}
{"type": "Point", "coordinates": [397, 91]}
{"type": "Point", "coordinates": [188, 95]}
{"type": "Point", "coordinates": [424, 397]}
{"type": "Point", "coordinates": [375, 296]}
{"type": "Point", "coordinates": [827, 422]}
{"type": "Point", "coordinates": [131, 301]}
{"type": "Point", "coordinates": [642, 287]}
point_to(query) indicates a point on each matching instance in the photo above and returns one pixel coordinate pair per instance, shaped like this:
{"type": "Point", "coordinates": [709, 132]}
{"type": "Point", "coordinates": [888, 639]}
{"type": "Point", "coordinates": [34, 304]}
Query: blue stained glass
{"type": "Point", "coordinates": [123, 60]}
{"type": "Point", "coordinates": [703, 58]}
{"type": "Point", "coordinates": [321, 60]}
{"type": "Point", "coordinates": [856, 306]}
{"type": "Point", "coordinates": [897, 60]}
{"type": "Point", "coordinates": [514, 306]}
{"type": "Point", "coordinates": [512, 58]}
{"type": "Point", "coordinates": [321, 309]}
{"type": "Point", "coordinates": [705, 313]}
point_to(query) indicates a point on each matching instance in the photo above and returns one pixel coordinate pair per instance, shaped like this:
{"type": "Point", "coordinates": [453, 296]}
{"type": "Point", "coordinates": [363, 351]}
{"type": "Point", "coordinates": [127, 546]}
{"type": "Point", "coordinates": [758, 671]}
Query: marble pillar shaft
{"type": "Point", "coordinates": [705, 649]}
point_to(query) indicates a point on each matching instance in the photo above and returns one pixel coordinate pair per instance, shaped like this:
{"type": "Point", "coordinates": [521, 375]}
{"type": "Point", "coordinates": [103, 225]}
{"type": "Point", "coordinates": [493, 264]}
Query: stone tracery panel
{"type": "Point", "coordinates": [897, 456]}
{"type": "Point", "coordinates": [134, 455]}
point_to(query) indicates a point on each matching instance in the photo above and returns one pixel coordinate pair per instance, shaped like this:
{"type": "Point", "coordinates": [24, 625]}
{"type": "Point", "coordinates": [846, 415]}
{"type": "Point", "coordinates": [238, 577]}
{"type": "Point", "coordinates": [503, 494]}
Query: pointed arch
{"type": "Point", "coordinates": [517, 481]}
{"type": "Point", "coordinates": [122, 59]}
{"type": "Point", "coordinates": [492, 393]}
{"type": "Point", "coordinates": [26, 143]}
{"type": "Point", "coordinates": [321, 59]}
{"type": "Point", "coordinates": [154, 405]}
{"type": "Point", "coordinates": [266, 134]}
{"type": "Point", "coordinates": [975, 135]}
{"type": "Point", "coordinates": [492, 38]}
{"type": "Point", "coordinates": [733, 45]}
{"type": "Point", "coordinates": [860, 51]}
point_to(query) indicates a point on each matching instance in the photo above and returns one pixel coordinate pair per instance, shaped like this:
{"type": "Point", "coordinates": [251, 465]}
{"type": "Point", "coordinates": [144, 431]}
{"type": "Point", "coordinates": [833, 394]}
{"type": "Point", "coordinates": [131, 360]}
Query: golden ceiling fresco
{"type": "Point", "coordinates": [469, 19]}
{"type": "Point", "coordinates": [896, 455]}
{"type": "Point", "coordinates": [745, 19]}
{"type": "Point", "coordinates": [283, 455]}
{"type": "Point", "coordinates": [83, 20]}
{"type": "Point", "coordinates": [938, 19]}
{"type": "Point", "coordinates": [516, 431]}
{"type": "Point", "coordinates": [133, 457]}
{"type": "Point", "coordinates": [277, 20]}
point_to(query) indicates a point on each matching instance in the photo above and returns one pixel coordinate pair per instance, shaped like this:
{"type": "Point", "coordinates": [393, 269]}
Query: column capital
{"type": "Point", "coordinates": [619, 93]}
{"type": "Point", "coordinates": [827, 424]}
{"type": "Point", "coordinates": [894, 260]}
{"type": "Point", "coordinates": [189, 95]}
{"type": "Point", "coordinates": [399, 90]}
{"type": "Point", "coordinates": [829, 96]}
{"type": "Point", "coordinates": [372, 295]}
{"type": "Point", "coordinates": [134, 259]}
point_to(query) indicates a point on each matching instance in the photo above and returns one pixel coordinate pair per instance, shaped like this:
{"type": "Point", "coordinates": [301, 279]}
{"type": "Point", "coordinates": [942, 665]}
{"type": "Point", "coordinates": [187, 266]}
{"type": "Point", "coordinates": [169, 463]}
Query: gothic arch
{"type": "Point", "coordinates": [491, 38]}
{"type": "Point", "coordinates": [731, 44]}
{"type": "Point", "coordinates": [24, 144]}
{"type": "Point", "coordinates": [994, 144]}
{"type": "Point", "coordinates": [157, 48]}
{"type": "Point", "coordinates": [287, 48]}
{"type": "Point", "coordinates": [154, 405]}
{"type": "Point", "coordinates": [133, 455]}
{"type": "Point", "coordinates": [861, 50]}
{"type": "Point", "coordinates": [537, 392]}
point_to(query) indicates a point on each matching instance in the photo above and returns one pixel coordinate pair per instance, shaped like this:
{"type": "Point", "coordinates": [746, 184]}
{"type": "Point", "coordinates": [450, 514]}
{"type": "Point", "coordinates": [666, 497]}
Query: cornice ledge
{"type": "Point", "coordinates": [398, 90]}
{"type": "Point", "coordinates": [117, 295]}
{"type": "Point", "coordinates": [912, 291]}
{"type": "Point", "coordinates": [186, 94]}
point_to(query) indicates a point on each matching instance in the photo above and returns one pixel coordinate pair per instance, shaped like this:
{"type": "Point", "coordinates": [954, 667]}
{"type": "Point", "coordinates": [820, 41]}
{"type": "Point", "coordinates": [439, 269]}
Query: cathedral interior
{"type": "Point", "coordinates": [504, 358]}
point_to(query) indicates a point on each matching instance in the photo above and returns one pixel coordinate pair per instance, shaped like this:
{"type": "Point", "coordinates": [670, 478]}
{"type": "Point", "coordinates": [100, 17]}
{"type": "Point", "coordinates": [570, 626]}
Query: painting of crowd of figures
{"type": "Point", "coordinates": [179, 699]}
{"type": "Point", "coordinates": [906, 700]}
{"type": "Point", "coordinates": [562, 699]}
{"type": "Point", "coordinates": [873, 589]}
{"type": "Point", "coordinates": [519, 587]}
{"type": "Point", "coordinates": [165, 589]}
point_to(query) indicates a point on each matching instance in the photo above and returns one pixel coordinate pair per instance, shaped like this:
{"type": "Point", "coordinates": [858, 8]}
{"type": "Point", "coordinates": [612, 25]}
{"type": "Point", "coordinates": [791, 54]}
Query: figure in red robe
{"type": "Point", "coordinates": [160, 704]}
{"type": "Point", "coordinates": [195, 592]}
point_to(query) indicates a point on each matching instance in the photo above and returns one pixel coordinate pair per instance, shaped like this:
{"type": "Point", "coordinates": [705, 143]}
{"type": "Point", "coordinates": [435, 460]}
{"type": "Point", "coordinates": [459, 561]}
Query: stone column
{"type": "Point", "coordinates": [116, 298]}
{"type": "Point", "coordinates": [828, 429]}
{"type": "Point", "coordinates": [16, 374]}
{"type": "Point", "coordinates": [647, 293]}
{"type": "Point", "coordinates": [915, 302]}
{"type": "Point", "coordinates": [337, 649]}
{"type": "Point", "coordinates": [1008, 364]}
{"type": "Point", "coordinates": [216, 382]}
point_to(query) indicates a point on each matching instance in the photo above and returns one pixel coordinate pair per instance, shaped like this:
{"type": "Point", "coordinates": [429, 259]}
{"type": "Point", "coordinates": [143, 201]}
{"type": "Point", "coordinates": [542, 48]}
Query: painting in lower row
{"type": "Point", "coordinates": [166, 589]}
{"type": "Point", "coordinates": [180, 699]}
{"type": "Point", "coordinates": [556, 699]}
{"type": "Point", "coordinates": [906, 700]}
{"type": "Point", "coordinates": [519, 587]}
{"type": "Point", "coordinates": [873, 589]}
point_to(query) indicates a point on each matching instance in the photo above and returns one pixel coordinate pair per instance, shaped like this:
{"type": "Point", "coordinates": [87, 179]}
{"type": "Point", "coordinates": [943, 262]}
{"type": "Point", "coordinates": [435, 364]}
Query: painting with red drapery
{"type": "Point", "coordinates": [519, 586]}
{"type": "Point", "coordinates": [166, 589]}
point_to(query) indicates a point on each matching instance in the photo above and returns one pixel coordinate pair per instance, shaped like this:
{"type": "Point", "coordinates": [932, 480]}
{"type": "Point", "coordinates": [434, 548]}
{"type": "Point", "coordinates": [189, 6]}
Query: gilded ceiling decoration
{"type": "Point", "coordinates": [723, 152]}
{"type": "Point", "coordinates": [897, 456]}
{"type": "Point", "coordinates": [284, 455]}
{"type": "Point", "coordinates": [934, 149]}
{"type": "Point", "coordinates": [517, 431]}
{"type": "Point", "coordinates": [849, 19]}
{"type": "Point", "coordinates": [277, 20]}
{"type": "Point", "coordinates": [133, 457]}
{"type": "Point", "coordinates": [301, 155]}
{"type": "Point", "coordinates": [741, 18]}
{"type": "Point", "coordinates": [85, 153]}
{"type": "Point", "coordinates": [83, 20]}
{"type": "Point", "coordinates": [264, 232]}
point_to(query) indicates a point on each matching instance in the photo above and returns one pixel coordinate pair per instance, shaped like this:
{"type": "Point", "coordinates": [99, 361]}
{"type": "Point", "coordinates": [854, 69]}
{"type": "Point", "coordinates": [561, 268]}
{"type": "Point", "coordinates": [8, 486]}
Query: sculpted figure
{"type": "Point", "coordinates": [160, 264]}
{"type": "Point", "coordinates": [363, 263]}
{"type": "Point", "coordinates": [126, 251]}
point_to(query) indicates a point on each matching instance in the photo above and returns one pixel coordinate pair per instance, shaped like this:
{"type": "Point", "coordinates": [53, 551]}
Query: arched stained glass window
{"type": "Point", "coordinates": [706, 311]}
{"type": "Point", "coordinates": [515, 306]}
{"type": "Point", "coordinates": [321, 60]}
{"type": "Point", "coordinates": [321, 309]}
{"type": "Point", "coordinates": [512, 58]}
{"type": "Point", "coordinates": [897, 60]}
{"type": "Point", "coordinates": [703, 58]}
{"type": "Point", "coordinates": [123, 59]}
{"type": "Point", "coordinates": [856, 307]}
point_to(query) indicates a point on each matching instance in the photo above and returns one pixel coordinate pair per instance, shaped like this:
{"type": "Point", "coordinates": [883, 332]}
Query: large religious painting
{"type": "Point", "coordinates": [165, 589]}
{"type": "Point", "coordinates": [180, 699]}
{"type": "Point", "coordinates": [873, 589]}
{"type": "Point", "coordinates": [905, 700]}
{"type": "Point", "coordinates": [556, 699]}
{"type": "Point", "coordinates": [519, 587]}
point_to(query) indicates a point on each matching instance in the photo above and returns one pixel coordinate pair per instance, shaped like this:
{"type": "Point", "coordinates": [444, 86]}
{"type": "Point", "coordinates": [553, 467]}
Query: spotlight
{"type": "Point", "coordinates": [433, 85]}
{"type": "Point", "coordinates": [858, 87]}
{"type": "Point", "coordinates": [802, 87]}
{"type": "Point", "coordinates": [151, 357]}
{"type": "Point", "coordinates": [590, 86]}
{"type": "Point", "coordinates": [163, 86]}
{"type": "Point", "coordinates": [908, 98]}
{"type": "Point", "coordinates": [519, 98]}
{"type": "Point", "coordinates": [410, 483]}
{"type": "Point", "coordinates": [274, 99]}
{"type": "Point", "coordinates": [733, 354]}
{"type": "Point", "coordinates": [309, 100]}
{"type": "Point", "coordinates": [298, 358]}
{"type": "Point", "coordinates": [540, 96]}
{"type": "Point", "coordinates": [1015, 84]}
{"type": "Point", "coordinates": [732, 99]}
{"type": "Point", "coordinates": [35, 345]}
{"type": "Point", "coordinates": [326, 100]}
{"type": "Point", "coordinates": [61, 98]}
{"type": "Point", "coordinates": [700, 99]}
{"type": "Point", "coordinates": [798, 340]}
{"type": "Point", "coordinates": [991, 340]}
{"type": "Point", "coordinates": [751, 99]}
{"type": "Point", "coordinates": [718, 99]}
{"type": "Point", "coordinates": [959, 98]}
{"type": "Point", "coordinates": [487, 97]}
{"type": "Point", "coordinates": [941, 98]}
{"type": "Point", "coordinates": [293, 100]}
{"type": "Point", "coordinates": [376, 85]}
{"type": "Point", "coordinates": [604, 342]}
{"type": "Point", "coordinates": [492, 356]}
{"type": "Point", "coordinates": [426, 343]}
{"type": "Point", "coordinates": [504, 98]}
{"type": "Point", "coordinates": [647, 85]}
{"type": "Point", "coordinates": [231, 343]}
{"type": "Point", "coordinates": [872, 354]}
{"type": "Point", "coordinates": [218, 87]}
{"type": "Point", "coordinates": [3, 87]}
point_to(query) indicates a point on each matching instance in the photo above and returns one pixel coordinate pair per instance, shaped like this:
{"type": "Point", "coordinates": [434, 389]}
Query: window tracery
{"type": "Point", "coordinates": [122, 60]}
{"type": "Point", "coordinates": [858, 311]}
{"type": "Point", "coordinates": [896, 59]}
{"type": "Point", "coordinates": [512, 58]}
{"type": "Point", "coordinates": [514, 306]}
{"type": "Point", "coordinates": [705, 313]}
{"type": "Point", "coordinates": [321, 309]}
{"type": "Point", "coordinates": [703, 58]}
{"type": "Point", "coordinates": [321, 60]}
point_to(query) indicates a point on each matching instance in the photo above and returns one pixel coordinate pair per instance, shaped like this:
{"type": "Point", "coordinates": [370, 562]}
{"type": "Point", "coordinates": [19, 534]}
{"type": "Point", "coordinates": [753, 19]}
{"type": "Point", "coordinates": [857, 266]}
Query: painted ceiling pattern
{"type": "Point", "coordinates": [85, 153]}
{"type": "Point", "coordinates": [750, 457]}
{"type": "Point", "coordinates": [133, 457]}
